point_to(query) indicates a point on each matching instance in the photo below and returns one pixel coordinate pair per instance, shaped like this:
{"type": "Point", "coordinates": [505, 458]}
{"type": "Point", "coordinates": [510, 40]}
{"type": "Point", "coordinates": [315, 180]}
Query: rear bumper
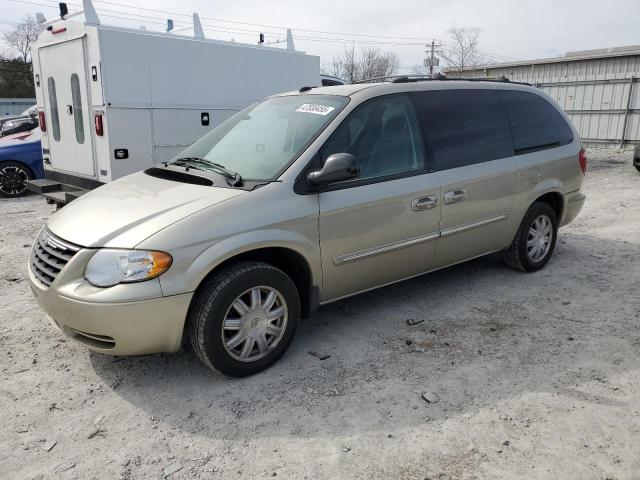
{"type": "Point", "coordinates": [573, 203]}
{"type": "Point", "coordinates": [127, 328]}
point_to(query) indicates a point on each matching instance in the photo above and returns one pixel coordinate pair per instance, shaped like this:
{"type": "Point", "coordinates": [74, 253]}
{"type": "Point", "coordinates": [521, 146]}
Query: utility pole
{"type": "Point", "coordinates": [431, 52]}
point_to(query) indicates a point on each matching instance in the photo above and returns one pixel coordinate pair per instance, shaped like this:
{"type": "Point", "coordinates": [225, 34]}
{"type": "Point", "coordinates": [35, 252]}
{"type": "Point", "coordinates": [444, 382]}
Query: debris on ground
{"type": "Point", "coordinates": [171, 469]}
{"type": "Point", "coordinates": [96, 431]}
{"type": "Point", "coordinates": [49, 445]}
{"type": "Point", "coordinates": [413, 321]}
{"type": "Point", "coordinates": [430, 397]}
{"type": "Point", "coordinates": [318, 355]}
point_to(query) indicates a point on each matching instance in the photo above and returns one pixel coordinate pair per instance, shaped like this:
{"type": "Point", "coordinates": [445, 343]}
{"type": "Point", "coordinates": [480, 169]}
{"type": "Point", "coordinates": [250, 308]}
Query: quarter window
{"type": "Point", "coordinates": [77, 108]}
{"type": "Point", "coordinates": [53, 106]}
{"type": "Point", "coordinates": [384, 137]}
{"type": "Point", "coordinates": [535, 123]}
{"type": "Point", "coordinates": [464, 127]}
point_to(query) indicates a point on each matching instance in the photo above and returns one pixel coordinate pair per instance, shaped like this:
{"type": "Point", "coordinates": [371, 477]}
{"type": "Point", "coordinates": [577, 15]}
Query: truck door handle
{"type": "Point", "coordinates": [424, 203]}
{"type": "Point", "coordinates": [455, 196]}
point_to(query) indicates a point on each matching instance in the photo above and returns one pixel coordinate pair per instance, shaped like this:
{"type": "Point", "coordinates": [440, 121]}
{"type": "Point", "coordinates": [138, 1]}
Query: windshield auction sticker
{"type": "Point", "coordinates": [315, 108]}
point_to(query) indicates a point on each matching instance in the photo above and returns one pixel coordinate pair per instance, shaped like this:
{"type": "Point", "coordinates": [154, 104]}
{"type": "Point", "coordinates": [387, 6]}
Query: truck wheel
{"type": "Point", "coordinates": [535, 240]}
{"type": "Point", "coordinates": [244, 318]}
{"type": "Point", "coordinates": [13, 178]}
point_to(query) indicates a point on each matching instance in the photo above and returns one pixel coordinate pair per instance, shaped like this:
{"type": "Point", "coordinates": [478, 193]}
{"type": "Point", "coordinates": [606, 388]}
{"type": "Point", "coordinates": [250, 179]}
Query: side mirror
{"type": "Point", "coordinates": [339, 166]}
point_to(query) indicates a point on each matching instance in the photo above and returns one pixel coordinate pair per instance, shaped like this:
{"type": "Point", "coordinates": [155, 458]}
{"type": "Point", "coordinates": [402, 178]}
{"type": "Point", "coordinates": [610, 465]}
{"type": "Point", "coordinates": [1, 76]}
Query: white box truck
{"type": "Point", "coordinates": [113, 101]}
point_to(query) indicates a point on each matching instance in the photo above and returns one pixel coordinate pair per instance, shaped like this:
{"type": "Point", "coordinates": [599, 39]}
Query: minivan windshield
{"type": "Point", "coordinates": [260, 141]}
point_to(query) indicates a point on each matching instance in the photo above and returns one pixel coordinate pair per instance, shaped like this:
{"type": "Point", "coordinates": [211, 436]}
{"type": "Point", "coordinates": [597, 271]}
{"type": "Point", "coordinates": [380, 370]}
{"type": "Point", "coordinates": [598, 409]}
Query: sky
{"type": "Point", "coordinates": [508, 29]}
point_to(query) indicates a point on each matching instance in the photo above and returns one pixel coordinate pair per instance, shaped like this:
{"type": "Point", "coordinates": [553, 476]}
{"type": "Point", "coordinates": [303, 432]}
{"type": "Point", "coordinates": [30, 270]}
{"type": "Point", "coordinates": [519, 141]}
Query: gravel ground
{"type": "Point", "coordinates": [527, 375]}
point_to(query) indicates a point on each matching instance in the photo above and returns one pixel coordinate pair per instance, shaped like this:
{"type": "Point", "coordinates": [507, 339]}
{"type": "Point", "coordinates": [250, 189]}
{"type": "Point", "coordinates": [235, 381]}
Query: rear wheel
{"type": "Point", "coordinates": [244, 318]}
{"type": "Point", "coordinates": [13, 178]}
{"type": "Point", "coordinates": [535, 240]}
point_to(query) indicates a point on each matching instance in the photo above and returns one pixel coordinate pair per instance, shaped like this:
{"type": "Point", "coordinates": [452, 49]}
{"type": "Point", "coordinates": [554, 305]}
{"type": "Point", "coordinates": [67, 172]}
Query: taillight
{"type": "Point", "coordinates": [582, 158]}
{"type": "Point", "coordinates": [42, 121]}
{"type": "Point", "coordinates": [97, 121]}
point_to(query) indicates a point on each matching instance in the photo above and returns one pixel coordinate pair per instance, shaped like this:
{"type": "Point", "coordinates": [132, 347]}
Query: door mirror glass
{"type": "Point", "coordinates": [337, 167]}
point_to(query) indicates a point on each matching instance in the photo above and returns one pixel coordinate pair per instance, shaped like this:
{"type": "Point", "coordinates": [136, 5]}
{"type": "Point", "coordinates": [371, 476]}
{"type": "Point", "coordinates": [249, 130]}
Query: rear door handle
{"type": "Point", "coordinates": [424, 203]}
{"type": "Point", "coordinates": [455, 196]}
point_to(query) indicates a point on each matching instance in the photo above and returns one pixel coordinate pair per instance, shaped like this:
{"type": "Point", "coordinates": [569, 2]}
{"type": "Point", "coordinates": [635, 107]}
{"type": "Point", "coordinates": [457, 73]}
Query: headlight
{"type": "Point", "coordinates": [110, 267]}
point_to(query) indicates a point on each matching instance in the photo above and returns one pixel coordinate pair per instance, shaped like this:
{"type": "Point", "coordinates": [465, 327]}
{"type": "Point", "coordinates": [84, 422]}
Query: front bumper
{"type": "Point", "coordinates": [117, 328]}
{"type": "Point", "coordinates": [573, 203]}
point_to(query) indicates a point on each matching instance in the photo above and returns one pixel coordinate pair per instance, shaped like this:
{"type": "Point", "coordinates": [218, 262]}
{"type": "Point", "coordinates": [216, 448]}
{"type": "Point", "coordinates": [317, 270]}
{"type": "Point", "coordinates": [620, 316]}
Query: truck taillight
{"type": "Point", "coordinates": [97, 120]}
{"type": "Point", "coordinates": [42, 121]}
{"type": "Point", "coordinates": [582, 158]}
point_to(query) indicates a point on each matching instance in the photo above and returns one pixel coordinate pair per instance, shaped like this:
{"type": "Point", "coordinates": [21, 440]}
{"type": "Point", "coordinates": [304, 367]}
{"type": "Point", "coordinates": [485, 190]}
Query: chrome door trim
{"type": "Point", "coordinates": [331, 300]}
{"type": "Point", "coordinates": [468, 226]}
{"type": "Point", "coordinates": [389, 247]}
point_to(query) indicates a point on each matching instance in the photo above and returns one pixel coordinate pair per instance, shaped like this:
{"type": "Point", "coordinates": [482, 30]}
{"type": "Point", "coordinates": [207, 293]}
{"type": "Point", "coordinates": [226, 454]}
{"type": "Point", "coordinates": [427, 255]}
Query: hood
{"type": "Point", "coordinates": [123, 213]}
{"type": "Point", "coordinates": [21, 138]}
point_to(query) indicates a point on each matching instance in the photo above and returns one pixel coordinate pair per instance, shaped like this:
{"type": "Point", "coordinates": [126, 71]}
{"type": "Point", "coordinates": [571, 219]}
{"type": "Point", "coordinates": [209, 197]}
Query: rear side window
{"type": "Point", "coordinates": [535, 123]}
{"type": "Point", "coordinates": [53, 105]}
{"type": "Point", "coordinates": [464, 127]}
{"type": "Point", "coordinates": [77, 108]}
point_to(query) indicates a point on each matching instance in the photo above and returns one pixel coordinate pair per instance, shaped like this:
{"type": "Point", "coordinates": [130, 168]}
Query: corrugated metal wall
{"type": "Point", "coordinates": [12, 106]}
{"type": "Point", "coordinates": [600, 95]}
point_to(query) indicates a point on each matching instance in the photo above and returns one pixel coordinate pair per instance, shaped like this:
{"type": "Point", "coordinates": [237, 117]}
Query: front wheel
{"type": "Point", "coordinates": [13, 178]}
{"type": "Point", "coordinates": [535, 240]}
{"type": "Point", "coordinates": [243, 318]}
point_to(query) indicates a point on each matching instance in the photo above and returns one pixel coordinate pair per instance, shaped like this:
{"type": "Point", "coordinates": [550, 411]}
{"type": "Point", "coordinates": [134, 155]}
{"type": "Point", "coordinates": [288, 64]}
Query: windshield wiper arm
{"type": "Point", "coordinates": [235, 177]}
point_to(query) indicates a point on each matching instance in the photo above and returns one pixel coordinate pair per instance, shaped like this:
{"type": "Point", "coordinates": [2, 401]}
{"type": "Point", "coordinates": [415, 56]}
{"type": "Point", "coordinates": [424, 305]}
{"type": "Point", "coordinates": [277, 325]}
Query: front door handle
{"type": "Point", "coordinates": [455, 196]}
{"type": "Point", "coordinates": [424, 203]}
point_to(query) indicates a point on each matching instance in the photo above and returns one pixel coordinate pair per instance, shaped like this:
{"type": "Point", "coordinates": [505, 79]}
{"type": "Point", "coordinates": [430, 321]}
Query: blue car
{"type": "Point", "coordinates": [20, 160]}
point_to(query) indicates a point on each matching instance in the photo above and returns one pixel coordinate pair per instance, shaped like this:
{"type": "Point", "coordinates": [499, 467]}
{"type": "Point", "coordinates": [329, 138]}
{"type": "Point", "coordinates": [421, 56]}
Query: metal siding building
{"type": "Point", "coordinates": [598, 89]}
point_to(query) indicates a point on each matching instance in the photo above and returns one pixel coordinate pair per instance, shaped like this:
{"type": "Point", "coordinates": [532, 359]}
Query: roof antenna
{"type": "Point", "coordinates": [290, 45]}
{"type": "Point", "coordinates": [169, 25]}
{"type": "Point", "coordinates": [197, 27]}
{"type": "Point", "coordinates": [90, 15]}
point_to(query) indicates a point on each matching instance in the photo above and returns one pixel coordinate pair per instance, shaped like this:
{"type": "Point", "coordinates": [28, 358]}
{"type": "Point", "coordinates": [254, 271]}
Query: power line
{"type": "Point", "coordinates": [392, 40]}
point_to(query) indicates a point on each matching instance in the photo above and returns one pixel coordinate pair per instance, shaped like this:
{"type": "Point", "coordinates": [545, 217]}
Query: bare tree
{"type": "Point", "coordinates": [16, 74]}
{"type": "Point", "coordinates": [462, 52]}
{"type": "Point", "coordinates": [371, 63]}
{"type": "Point", "coordinates": [19, 39]}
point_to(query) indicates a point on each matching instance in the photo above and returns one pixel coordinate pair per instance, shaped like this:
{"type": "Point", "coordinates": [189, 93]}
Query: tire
{"type": "Point", "coordinates": [531, 257]}
{"type": "Point", "coordinates": [13, 178]}
{"type": "Point", "coordinates": [213, 306]}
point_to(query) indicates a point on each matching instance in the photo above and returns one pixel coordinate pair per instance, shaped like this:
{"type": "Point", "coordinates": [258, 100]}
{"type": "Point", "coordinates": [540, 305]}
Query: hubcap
{"type": "Point", "coordinates": [13, 180]}
{"type": "Point", "coordinates": [254, 323]}
{"type": "Point", "coordinates": [539, 238]}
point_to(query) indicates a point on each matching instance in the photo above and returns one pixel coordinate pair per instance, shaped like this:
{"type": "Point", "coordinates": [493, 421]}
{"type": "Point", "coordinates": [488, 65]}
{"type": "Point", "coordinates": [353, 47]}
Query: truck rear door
{"type": "Point", "coordinates": [66, 100]}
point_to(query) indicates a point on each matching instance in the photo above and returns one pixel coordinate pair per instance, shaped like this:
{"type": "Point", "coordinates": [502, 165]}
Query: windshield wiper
{"type": "Point", "coordinates": [235, 177]}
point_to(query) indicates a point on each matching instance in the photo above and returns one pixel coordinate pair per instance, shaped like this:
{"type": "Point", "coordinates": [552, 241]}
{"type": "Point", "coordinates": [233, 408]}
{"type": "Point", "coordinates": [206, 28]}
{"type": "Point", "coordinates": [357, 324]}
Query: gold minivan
{"type": "Point", "coordinates": [303, 199]}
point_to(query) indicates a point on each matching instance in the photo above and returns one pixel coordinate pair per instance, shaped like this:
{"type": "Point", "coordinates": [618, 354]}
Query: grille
{"type": "Point", "coordinates": [50, 254]}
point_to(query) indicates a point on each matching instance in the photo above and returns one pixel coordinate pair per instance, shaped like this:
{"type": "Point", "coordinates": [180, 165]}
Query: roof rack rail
{"type": "Point", "coordinates": [437, 76]}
